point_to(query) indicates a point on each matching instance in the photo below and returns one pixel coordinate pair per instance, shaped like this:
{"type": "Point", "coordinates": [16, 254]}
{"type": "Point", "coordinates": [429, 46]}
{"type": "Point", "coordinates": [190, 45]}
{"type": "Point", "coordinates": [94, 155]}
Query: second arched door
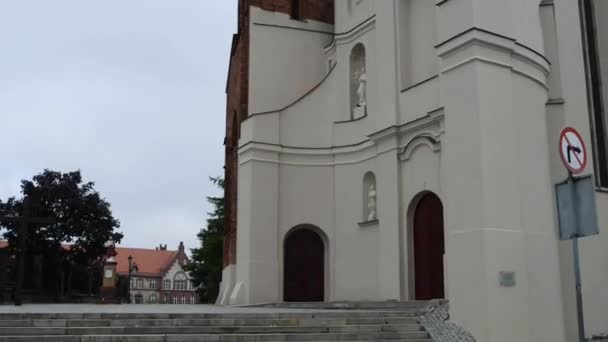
{"type": "Point", "coordinates": [428, 248]}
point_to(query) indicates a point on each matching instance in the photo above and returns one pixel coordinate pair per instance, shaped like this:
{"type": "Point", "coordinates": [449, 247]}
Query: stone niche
{"type": "Point", "coordinates": [358, 82]}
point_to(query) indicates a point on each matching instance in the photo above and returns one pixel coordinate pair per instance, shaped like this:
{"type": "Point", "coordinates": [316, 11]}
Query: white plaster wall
{"type": "Point", "coordinates": [313, 116]}
{"type": "Point", "coordinates": [417, 40]}
{"type": "Point", "coordinates": [257, 242]}
{"type": "Point", "coordinates": [356, 248]}
{"type": "Point", "coordinates": [286, 58]}
{"type": "Point", "coordinates": [419, 101]}
{"type": "Point", "coordinates": [306, 197]}
{"type": "Point", "coordinates": [350, 13]}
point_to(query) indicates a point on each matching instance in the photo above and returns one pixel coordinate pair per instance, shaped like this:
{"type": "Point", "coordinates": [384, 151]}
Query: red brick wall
{"type": "Point", "coordinates": [237, 90]}
{"type": "Point", "coordinates": [319, 10]}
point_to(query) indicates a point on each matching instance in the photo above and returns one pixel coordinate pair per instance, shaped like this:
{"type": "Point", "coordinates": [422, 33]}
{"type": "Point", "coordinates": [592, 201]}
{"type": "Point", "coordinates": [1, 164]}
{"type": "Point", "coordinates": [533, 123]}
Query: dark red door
{"type": "Point", "coordinates": [429, 248]}
{"type": "Point", "coordinates": [304, 267]}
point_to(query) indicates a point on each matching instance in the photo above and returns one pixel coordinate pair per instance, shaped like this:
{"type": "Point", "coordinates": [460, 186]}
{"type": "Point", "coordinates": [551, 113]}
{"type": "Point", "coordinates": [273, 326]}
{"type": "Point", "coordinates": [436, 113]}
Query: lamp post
{"type": "Point", "coordinates": [130, 258]}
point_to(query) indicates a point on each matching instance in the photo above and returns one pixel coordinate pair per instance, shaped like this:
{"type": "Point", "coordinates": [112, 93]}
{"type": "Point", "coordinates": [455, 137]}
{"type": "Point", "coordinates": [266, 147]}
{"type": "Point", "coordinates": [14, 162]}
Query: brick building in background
{"type": "Point", "coordinates": [157, 275]}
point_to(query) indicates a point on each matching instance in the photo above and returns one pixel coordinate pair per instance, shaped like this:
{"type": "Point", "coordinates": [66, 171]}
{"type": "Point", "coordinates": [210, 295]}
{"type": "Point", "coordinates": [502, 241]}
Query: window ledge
{"type": "Point", "coordinates": [368, 223]}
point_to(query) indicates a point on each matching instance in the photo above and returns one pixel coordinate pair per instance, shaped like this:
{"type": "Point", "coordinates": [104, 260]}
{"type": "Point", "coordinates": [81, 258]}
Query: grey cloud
{"type": "Point", "coordinates": [130, 92]}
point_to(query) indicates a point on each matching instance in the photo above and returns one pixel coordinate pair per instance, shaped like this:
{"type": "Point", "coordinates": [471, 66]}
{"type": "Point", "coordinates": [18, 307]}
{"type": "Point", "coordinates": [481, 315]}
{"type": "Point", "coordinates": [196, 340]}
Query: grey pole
{"type": "Point", "coordinates": [579, 293]}
{"type": "Point", "coordinates": [577, 265]}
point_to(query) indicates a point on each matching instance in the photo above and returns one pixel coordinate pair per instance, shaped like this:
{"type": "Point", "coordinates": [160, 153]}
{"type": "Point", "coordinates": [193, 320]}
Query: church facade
{"type": "Point", "coordinates": [408, 150]}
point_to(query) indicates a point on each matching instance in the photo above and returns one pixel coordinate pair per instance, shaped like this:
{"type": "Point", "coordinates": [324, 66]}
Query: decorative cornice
{"type": "Point", "coordinates": [373, 223]}
{"type": "Point", "coordinates": [429, 125]}
{"type": "Point", "coordinates": [351, 120]}
{"type": "Point", "coordinates": [344, 37]}
{"type": "Point", "coordinates": [556, 101]}
{"type": "Point", "coordinates": [441, 2]}
{"type": "Point", "coordinates": [420, 83]}
{"type": "Point", "coordinates": [429, 139]}
{"type": "Point", "coordinates": [477, 29]}
{"type": "Point", "coordinates": [293, 28]}
{"type": "Point", "coordinates": [431, 119]}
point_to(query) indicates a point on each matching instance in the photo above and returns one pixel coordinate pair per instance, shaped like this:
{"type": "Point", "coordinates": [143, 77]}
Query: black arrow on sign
{"type": "Point", "coordinates": [571, 148]}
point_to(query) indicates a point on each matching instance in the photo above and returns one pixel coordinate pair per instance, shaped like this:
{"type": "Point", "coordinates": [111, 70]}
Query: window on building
{"type": "Point", "coordinates": [296, 9]}
{"type": "Point", "coordinates": [152, 299]}
{"type": "Point", "coordinates": [180, 282]}
{"type": "Point", "coordinates": [139, 283]}
{"type": "Point", "coordinates": [192, 300]}
{"type": "Point", "coordinates": [139, 299]}
{"type": "Point", "coordinates": [183, 299]}
{"type": "Point", "coordinates": [166, 284]}
{"type": "Point", "coordinates": [132, 283]}
{"type": "Point", "coordinates": [175, 299]}
{"type": "Point", "coordinates": [152, 283]}
{"type": "Point", "coordinates": [596, 50]}
{"type": "Point", "coordinates": [166, 301]}
{"type": "Point", "coordinates": [180, 285]}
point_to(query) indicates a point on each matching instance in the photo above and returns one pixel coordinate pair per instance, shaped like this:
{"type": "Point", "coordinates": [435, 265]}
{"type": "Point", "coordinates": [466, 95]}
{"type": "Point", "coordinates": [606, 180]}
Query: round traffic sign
{"type": "Point", "coordinates": [572, 150]}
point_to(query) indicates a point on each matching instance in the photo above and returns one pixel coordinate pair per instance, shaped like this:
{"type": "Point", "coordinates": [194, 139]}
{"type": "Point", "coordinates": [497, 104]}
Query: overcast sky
{"type": "Point", "coordinates": [131, 92]}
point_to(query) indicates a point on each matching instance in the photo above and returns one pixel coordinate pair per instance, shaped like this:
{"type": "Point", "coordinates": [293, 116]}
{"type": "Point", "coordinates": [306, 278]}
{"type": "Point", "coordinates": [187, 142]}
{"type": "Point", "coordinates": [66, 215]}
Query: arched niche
{"type": "Point", "coordinates": [370, 198]}
{"type": "Point", "coordinates": [358, 82]}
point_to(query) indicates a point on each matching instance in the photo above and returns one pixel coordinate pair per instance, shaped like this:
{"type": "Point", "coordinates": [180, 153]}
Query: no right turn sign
{"type": "Point", "coordinates": [573, 150]}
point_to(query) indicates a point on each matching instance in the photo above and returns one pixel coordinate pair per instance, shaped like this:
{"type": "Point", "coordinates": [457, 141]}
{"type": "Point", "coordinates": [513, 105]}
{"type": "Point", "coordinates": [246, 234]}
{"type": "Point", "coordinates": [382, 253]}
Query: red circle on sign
{"type": "Point", "coordinates": [583, 162]}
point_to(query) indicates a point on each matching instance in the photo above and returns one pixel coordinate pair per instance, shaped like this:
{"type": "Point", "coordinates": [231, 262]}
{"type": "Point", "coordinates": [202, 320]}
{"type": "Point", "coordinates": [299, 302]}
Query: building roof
{"type": "Point", "coordinates": [149, 262]}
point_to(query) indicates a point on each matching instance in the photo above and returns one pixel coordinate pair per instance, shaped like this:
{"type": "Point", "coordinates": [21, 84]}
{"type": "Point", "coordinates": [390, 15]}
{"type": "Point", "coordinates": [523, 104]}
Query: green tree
{"type": "Point", "coordinates": [83, 220]}
{"type": "Point", "coordinates": [206, 265]}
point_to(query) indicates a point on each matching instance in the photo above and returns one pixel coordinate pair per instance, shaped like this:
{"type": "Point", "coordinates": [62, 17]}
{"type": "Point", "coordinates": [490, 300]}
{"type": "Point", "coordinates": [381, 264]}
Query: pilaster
{"type": "Point", "coordinates": [498, 195]}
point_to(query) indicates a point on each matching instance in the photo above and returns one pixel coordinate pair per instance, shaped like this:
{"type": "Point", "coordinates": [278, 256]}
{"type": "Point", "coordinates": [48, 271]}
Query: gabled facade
{"type": "Point", "coordinates": [157, 275]}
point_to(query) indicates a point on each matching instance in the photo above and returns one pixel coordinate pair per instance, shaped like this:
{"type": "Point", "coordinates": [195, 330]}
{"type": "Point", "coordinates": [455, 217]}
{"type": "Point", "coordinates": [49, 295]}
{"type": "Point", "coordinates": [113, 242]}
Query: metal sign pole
{"type": "Point", "coordinates": [579, 293]}
{"type": "Point", "coordinates": [576, 207]}
{"type": "Point", "coordinates": [577, 265]}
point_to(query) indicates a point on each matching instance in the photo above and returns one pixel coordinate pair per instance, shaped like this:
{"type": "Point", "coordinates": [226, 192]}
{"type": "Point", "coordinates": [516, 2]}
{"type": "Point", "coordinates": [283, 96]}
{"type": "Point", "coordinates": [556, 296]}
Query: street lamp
{"type": "Point", "coordinates": [130, 258]}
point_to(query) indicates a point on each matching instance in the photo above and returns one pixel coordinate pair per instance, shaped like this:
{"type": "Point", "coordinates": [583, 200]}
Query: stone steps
{"type": "Point", "coordinates": [305, 322]}
{"type": "Point", "coordinates": [189, 338]}
{"type": "Point", "coordinates": [64, 323]}
{"type": "Point", "coordinates": [243, 315]}
{"type": "Point", "coordinates": [364, 305]}
{"type": "Point", "coordinates": [118, 330]}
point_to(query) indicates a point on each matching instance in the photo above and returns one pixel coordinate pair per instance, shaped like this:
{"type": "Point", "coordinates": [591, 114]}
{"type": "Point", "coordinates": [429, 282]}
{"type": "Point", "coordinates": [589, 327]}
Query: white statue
{"type": "Point", "coordinates": [362, 90]}
{"type": "Point", "coordinates": [371, 203]}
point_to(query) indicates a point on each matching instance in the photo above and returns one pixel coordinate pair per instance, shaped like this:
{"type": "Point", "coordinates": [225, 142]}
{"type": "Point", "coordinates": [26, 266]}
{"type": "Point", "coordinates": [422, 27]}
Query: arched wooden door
{"type": "Point", "coordinates": [304, 267]}
{"type": "Point", "coordinates": [428, 248]}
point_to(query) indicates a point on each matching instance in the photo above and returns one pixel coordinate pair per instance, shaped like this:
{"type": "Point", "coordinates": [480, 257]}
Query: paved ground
{"type": "Point", "coordinates": [140, 308]}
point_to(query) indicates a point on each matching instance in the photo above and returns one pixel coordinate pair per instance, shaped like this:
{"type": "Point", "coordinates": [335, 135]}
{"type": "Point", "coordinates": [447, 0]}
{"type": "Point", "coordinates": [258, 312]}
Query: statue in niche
{"type": "Point", "coordinates": [358, 82]}
{"type": "Point", "coordinates": [362, 89]}
{"type": "Point", "coordinates": [371, 203]}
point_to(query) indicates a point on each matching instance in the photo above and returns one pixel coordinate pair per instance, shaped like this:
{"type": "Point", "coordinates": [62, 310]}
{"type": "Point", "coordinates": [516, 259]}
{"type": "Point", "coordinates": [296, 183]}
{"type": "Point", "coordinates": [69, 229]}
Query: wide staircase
{"type": "Point", "coordinates": [388, 321]}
